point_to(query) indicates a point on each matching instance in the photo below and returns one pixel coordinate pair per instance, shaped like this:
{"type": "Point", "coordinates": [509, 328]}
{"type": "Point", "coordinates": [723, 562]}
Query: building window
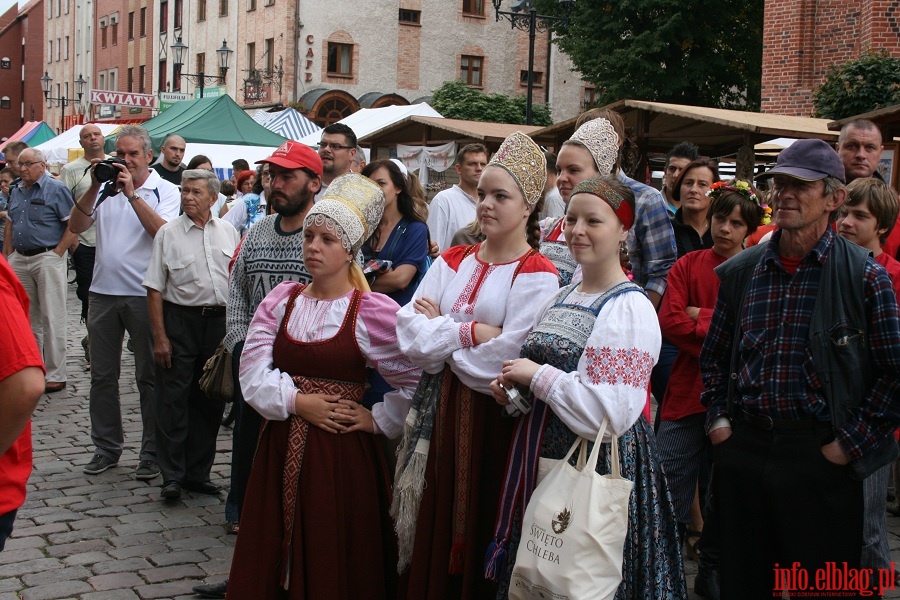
{"type": "Point", "coordinates": [58, 49]}
{"type": "Point", "coordinates": [130, 79]}
{"type": "Point", "coordinates": [67, 48]}
{"type": "Point", "coordinates": [201, 62]}
{"type": "Point", "coordinates": [201, 10]}
{"type": "Point", "coordinates": [223, 8]}
{"type": "Point", "coordinates": [590, 98]}
{"type": "Point", "coordinates": [163, 76]}
{"type": "Point", "coordinates": [131, 25]}
{"type": "Point", "coordinates": [176, 78]}
{"type": "Point", "coordinates": [410, 16]}
{"type": "Point", "coordinates": [269, 2]}
{"type": "Point", "coordinates": [537, 78]}
{"type": "Point", "coordinates": [251, 5]}
{"type": "Point", "coordinates": [102, 81]}
{"type": "Point", "coordinates": [113, 76]}
{"type": "Point", "coordinates": [270, 55]}
{"type": "Point", "coordinates": [115, 33]}
{"type": "Point", "coordinates": [473, 7]}
{"type": "Point", "coordinates": [470, 68]}
{"type": "Point", "coordinates": [4, 102]}
{"type": "Point", "coordinates": [67, 6]}
{"type": "Point", "coordinates": [5, 63]}
{"type": "Point", "coordinates": [251, 55]}
{"type": "Point", "coordinates": [49, 50]}
{"type": "Point", "coordinates": [340, 59]}
{"type": "Point", "coordinates": [178, 6]}
{"type": "Point", "coordinates": [142, 72]}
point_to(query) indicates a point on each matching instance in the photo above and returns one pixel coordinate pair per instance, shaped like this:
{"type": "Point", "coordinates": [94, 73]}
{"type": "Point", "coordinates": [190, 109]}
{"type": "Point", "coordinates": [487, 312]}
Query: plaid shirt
{"type": "Point", "coordinates": [777, 376]}
{"type": "Point", "coordinates": [651, 241]}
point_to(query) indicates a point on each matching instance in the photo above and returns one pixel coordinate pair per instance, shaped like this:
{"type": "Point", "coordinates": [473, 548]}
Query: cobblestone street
{"type": "Point", "coordinates": [109, 536]}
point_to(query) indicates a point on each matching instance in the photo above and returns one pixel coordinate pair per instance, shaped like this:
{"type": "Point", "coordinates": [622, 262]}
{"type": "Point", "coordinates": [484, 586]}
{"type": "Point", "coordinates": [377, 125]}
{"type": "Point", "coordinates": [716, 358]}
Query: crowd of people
{"type": "Point", "coordinates": [379, 344]}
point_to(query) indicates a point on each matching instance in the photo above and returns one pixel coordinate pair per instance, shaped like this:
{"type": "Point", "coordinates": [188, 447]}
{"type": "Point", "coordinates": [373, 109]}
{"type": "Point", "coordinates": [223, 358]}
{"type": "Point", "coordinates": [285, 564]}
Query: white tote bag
{"type": "Point", "coordinates": [574, 529]}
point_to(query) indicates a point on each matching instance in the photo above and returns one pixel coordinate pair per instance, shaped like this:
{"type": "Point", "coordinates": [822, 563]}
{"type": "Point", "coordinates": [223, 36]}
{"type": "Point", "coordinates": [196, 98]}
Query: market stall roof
{"type": "Point", "coordinates": [366, 121]}
{"type": "Point", "coordinates": [718, 132]}
{"type": "Point", "coordinates": [887, 119]}
{"type": "Point", "coordinates": [59, 149]}
{"type": "Point", "coordinates": [208, 121]}
{"type": "Point", "coordinates": [32, 132]}
{"type": "Point", "coordinates": [417, 130]}
{"type": "Point", "coordinates": [288, 122]}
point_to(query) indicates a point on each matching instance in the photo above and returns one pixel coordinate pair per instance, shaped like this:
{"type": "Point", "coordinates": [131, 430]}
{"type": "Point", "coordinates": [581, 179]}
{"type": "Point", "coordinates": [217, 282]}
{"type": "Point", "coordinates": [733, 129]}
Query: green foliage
{"type": "Point", "coordinates": [456, 100]}
{"type": "Point", "coordinates": [868, 83]}
{"type": "Point", "coordinates": [698, 52]}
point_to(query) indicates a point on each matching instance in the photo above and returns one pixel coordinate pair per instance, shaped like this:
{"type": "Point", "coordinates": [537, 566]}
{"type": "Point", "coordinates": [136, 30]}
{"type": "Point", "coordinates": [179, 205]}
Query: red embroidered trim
{"type": "Point", "coordinates": [619, 366]}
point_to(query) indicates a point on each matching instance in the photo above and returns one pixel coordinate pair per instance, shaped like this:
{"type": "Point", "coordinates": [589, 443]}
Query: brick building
{"type": "Point", "coordinates": [803, 38]}
{"type": "Point", "coordinates": [21, 66]}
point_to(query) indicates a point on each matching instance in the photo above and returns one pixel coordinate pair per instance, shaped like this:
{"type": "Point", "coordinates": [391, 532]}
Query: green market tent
{"type": "Point", "coordinates": [207, 121]}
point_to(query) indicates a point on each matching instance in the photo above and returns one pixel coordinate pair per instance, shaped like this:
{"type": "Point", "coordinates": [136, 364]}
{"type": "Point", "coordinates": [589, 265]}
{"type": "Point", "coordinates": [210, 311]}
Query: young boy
{"type": "Point", "coordinates": [867, 219]}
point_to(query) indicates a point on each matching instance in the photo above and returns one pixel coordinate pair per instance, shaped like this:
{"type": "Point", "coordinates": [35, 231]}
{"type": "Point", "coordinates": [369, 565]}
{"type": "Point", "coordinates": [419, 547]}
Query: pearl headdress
{"type": "Point", "coordinates": [523, 159]}
{"type": "Point", "coordinates": [600, 139]}
{"type": "Point", "coordinates": [352, 207]}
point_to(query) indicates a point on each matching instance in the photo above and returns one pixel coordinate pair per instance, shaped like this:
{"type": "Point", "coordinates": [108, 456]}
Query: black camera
{"type": "Point", "coordinates": [105, 171]}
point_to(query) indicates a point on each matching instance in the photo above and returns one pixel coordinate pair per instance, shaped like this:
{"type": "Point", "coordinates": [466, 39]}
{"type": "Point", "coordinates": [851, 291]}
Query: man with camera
{"type": "Point", "coordinates": [131, 207]}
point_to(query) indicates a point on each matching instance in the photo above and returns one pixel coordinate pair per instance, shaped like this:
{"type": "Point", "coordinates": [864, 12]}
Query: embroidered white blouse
{"type": "Point", "coordinates": [613, 373]}
{"type": "Point", "coordinates": [471, 291]}
{"type": "Point", "coordinates": [272, 392]}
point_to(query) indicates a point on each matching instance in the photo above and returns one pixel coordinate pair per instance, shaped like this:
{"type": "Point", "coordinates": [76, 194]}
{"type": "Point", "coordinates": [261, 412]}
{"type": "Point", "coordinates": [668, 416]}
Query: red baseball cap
{"type": "Point", "coordinates": [294, 155]}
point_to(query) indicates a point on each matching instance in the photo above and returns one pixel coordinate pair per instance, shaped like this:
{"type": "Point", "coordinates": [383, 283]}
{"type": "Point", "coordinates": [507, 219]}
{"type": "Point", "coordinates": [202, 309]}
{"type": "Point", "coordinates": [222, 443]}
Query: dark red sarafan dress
{"type": "Point", "coordinates": [341, 543]}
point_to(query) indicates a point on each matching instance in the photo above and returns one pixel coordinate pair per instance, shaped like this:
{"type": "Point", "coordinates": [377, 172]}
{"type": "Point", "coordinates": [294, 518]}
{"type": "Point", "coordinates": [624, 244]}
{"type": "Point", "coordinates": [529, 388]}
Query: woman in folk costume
{"type": "Point", "coordinates": [316, 518]}
{"type": "Point", "coordinates": [590, 357]}
{"type": "Point", "coordinates": [473, 308]}
{"type": "Point", "coordinates": [590, 152]}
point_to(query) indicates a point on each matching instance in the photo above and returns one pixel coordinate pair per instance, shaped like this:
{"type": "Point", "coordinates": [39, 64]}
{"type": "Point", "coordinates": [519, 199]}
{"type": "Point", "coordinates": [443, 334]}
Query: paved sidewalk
{"type": "Point", "coordinates": [109, 536]}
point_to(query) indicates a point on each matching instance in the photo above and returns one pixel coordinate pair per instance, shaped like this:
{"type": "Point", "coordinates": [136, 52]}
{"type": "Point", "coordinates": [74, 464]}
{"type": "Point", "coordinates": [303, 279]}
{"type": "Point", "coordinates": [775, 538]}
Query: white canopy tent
{"type": "Point", "coordinates": [222, 155]}
{"type": "Point", "coordinates": [65, 148]}
{"type": "Point", "coordinates": [368, 120]}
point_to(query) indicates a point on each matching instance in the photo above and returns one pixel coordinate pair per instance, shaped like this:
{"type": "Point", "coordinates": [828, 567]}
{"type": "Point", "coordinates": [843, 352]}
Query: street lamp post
{"type": "Point", "coordinates": [524, 17]}
{"type": "Point", "coordinates": [46, 82]}
{"type": "Point", "coordinates": [223, 55]}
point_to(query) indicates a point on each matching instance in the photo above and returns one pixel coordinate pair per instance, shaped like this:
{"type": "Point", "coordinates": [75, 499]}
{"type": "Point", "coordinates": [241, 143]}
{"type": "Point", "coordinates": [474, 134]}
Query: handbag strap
{"type": "Point", "coordinates": [615, 469]}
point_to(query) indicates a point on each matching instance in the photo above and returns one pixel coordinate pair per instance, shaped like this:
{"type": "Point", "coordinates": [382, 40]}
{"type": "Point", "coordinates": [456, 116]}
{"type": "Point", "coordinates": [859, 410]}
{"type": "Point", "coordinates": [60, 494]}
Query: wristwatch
{"type": "Point", "coordinates": [133, 197]}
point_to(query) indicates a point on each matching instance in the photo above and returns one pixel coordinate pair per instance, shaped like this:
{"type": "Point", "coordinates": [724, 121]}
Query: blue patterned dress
{"type": "Point", "coordinates": [653, 567]}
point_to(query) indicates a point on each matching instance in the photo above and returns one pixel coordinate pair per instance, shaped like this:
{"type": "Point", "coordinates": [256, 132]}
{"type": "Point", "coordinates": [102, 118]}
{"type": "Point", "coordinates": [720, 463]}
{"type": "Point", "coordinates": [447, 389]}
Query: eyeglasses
{"type": "Point", "coordinates": [28, 164]}
{"type": "Point", "coordinates": [333, 146]}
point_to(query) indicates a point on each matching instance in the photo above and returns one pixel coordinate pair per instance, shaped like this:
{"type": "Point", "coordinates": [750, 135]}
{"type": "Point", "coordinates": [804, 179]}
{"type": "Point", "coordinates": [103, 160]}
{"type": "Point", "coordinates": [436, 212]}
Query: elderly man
{"type": "Point", "coordinates": [801, 383]}
{"type": "Point", "coordinates": [36, 230]}
{"type": "Point", "coordinates": [21, 385]}
{"type": "Point", "coordinates": [187, 288]}
{"type": "Point", "coordinates": [171, 153]}
{"type": "Point", "coordinates": [337, 149]}
{"type": "Point", "coordinates": [78, 180]}
{"type": "Point", "coordinates": [127, 217]}
{"type": "Point", "coordinates": [270, 253]}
